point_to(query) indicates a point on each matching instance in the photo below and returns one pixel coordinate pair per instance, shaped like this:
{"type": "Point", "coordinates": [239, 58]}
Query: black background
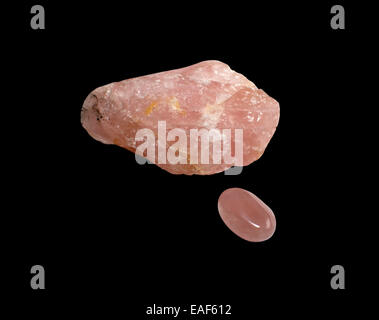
{"type": "Point", "coordinates": [115, 237]}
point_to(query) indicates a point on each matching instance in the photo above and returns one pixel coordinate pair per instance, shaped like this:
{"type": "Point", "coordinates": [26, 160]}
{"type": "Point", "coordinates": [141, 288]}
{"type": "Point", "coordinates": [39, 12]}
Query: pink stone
{"type": "Point", "coordinates": [246, 215]}
{"type": "Point", "coordinates": [207, 95]}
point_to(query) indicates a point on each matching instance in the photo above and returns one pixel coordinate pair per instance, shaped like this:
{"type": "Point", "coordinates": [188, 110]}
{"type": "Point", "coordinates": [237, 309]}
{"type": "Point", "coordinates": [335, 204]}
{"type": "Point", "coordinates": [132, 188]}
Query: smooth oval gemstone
{"type": "Point", "coordinates": [246, 215]}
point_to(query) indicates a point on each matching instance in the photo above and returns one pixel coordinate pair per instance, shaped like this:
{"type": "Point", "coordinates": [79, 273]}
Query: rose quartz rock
{"type": "Point", "coordinates": [208, 95]}
{"type": "Point", "coordinates": [246, 215]}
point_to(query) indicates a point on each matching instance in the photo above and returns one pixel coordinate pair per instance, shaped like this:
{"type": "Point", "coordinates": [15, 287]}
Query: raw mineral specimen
{"type": "Point", "coordinates": [246, 215]}
{"type": "Point", "coordinates": [178, 108]}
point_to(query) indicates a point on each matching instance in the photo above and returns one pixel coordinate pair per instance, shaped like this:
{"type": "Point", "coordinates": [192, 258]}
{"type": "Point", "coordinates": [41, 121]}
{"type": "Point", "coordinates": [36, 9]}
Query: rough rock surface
{"type": "Point", "coordinates": [207, 95]}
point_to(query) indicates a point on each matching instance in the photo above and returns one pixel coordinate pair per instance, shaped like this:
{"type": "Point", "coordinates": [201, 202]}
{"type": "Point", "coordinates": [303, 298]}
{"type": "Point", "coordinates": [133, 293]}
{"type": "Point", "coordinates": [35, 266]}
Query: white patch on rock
{"type": "Point", "coordinates": [210, 115]}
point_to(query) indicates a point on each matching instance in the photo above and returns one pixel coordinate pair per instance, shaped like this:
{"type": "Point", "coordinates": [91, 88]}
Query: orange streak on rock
{"type": "Point", "coordinates": [151, 107]}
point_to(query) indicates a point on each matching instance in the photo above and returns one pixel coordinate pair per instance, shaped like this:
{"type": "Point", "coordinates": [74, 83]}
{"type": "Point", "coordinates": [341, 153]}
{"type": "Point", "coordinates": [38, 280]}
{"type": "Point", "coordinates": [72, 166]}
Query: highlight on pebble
{"type": "Point", "coordinates": [202, 119]}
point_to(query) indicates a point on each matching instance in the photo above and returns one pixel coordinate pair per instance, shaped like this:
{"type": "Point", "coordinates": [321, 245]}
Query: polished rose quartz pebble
{"type": "Point", "coordinates": [207, 95]}
{"type": "Point", "coordinates": [246, 215]}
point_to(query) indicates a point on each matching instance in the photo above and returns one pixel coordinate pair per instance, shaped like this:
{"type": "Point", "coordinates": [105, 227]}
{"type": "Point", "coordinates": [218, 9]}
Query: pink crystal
{"type": "Point", "coordinates": [207, 95]}
{"type": "Point", "coordinates": [246, 215]}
